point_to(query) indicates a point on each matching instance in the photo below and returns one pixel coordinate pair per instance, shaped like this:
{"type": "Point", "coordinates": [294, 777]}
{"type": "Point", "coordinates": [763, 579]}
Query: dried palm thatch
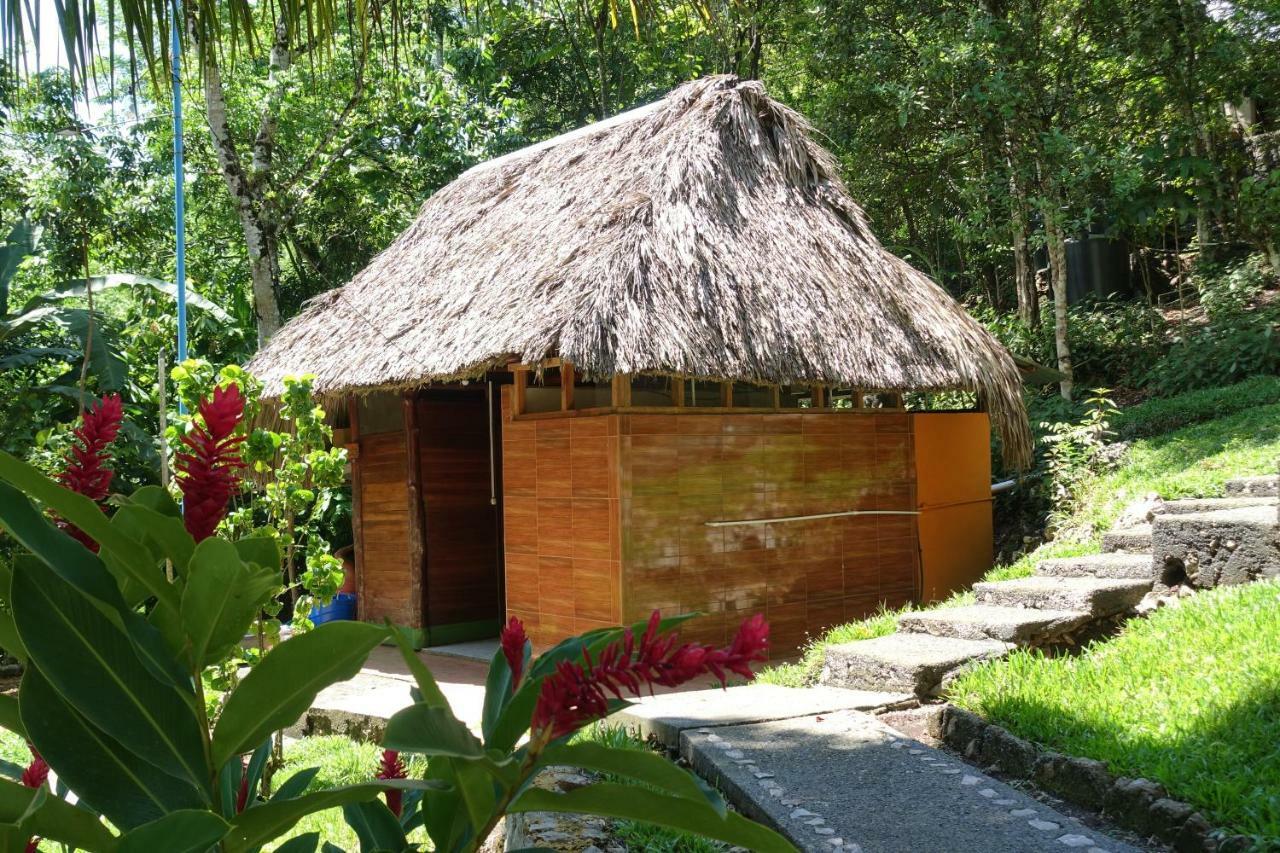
{"type": "Point", "coordinates": [706, 235]}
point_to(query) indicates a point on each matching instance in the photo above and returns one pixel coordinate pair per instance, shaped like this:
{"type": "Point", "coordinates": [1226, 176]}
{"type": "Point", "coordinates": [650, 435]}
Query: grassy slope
{"type": "Point", "coordinates": [1193, 460]}
{"type": "Point", "coordinates": [1189, 697]}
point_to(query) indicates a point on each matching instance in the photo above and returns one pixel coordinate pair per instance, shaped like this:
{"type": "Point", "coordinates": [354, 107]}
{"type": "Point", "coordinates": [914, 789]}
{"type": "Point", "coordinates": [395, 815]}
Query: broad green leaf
{"type": "Point", "coordinates": [229, 784]}
{"type": "Point", "coordinates": [156, 498]}
{"type": "Point", "coordinates": [9, 639]}
{"type": "Point", "coordinates": [375, 826]}
{"type": "Point", "coordinates": [256, 826]}
{"type": "Point", "coordinates": [630, 803]}
{"type": "Point", "coordinates": [104, 774]}
{"type": "Point", "coordinates": [84, 514]}
{"type": "Point", "coordinates": [305, 843]}
{"type": "Point", "coordinates": [183, 831]}
{"type": "Point", "coordinates": [55, 819]}
{"type": "Point", "coordinates": [497, 690]}
{"type": "Point", "coordinates": [428, 730]}
{"type": "Point", "coordinates": [11, 716]}
{"type": "Point", "coordinates": [285, 682]}
{"type": "Point", "coordinates": [94, 665]}
{"type": "Point", "coordinates": [259, 550]}
{"type": "Point", "coordinates": [78, 287]}
{"type": "Point", "coordinates": [431, 693]}
{"type": "Point", "coordinates": [223, 594]}
{"type": "Point", "coordinates": [295, 784]}
{"type": "Point", "coordinates": [647, 767]}
{"type": "Point", "coordinates": [165, 537]}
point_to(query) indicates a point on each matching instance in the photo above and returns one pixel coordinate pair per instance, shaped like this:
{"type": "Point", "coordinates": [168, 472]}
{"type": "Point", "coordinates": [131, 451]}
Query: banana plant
{"type": "Point", "coordinates": [117, 617]}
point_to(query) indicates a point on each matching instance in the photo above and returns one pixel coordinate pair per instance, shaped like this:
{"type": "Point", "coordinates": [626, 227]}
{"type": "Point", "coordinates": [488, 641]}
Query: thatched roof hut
{"type": "Point", "coordinates": [706, 235]}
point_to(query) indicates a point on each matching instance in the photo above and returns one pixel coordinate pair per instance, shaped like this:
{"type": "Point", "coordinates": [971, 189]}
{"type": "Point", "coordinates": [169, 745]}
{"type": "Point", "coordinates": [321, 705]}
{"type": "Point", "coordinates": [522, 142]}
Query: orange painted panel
{"type": "Point", "coordinates": [953, 487]}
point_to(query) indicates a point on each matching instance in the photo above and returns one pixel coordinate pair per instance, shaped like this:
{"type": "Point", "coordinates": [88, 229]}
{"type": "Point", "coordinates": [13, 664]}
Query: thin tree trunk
{"type": "Point", "coordinates": [602, 70]}
{"type": "Point", "coordinates": [1058, 277]}
{"type": "Point", "coordinates": [1024, 274]}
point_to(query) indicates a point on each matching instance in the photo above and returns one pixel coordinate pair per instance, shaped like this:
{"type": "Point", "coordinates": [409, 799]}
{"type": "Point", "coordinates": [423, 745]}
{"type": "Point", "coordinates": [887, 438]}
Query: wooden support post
{"type": "Point", "coordinates": [677, 390]}
{"type": "Point", "coordinates": [521, 376]}
{"type": "Point", "coordinates": [819, 397]}
{"type": "Point", "coordinates": [567, 379]}
{"type": "Point", "coordinates": [357, 513]}
{"type": "Point", "coordinates": [417, 524]}
{"type": "Point", "coordinates": [726, 394]}
{"type": "Point", "coordinates": [622, 391]}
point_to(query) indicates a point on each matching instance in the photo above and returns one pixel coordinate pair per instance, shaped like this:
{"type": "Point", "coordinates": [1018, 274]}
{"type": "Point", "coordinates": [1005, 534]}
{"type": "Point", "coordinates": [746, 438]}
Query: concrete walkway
{"type": "Point", "coordinates": [841, 780]}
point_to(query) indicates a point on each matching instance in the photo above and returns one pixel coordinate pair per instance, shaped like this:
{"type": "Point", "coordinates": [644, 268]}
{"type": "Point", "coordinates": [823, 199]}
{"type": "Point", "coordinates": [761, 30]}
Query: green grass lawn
{"type": "Point", "coordinates": [1189, 698]}
{"type": "Point", "coordinates": [1194, 460]}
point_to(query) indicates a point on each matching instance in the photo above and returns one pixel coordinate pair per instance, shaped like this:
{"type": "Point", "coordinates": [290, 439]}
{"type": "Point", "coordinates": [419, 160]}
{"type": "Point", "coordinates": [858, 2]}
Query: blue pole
{"type": "Point", "coordinates": [179, 195]}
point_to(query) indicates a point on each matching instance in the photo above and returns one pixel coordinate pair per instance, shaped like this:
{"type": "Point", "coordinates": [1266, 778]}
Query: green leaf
{"type": "Point", "coordinates": [259, 550]}
{"type": "Point", "coordinates": [9, 639]}
{"type": "Point", "coordinates": [428, 730]}
{"type": "Point", "coordinates": [631, 803]}
{"type": "Point", "coordinates": [295, 784]}
{"type": "Point", "coordinates": [76, 287]}
{"type": "Point", "coordinates": [55, 819]}
{"type": "Point", "coordinates": [256, 826]}
{"type": "Point", "coordinates": [84, 514]}
{"type": "Point", "coordinates": [375, 826]}
{"type": "Point", "coordinates": [647, 767]}
{"type": "Point", "coordinates": [285, 682]}
{"type": "Point", "coordinates": [427, 687]}
{"type": "Point", "coordinates": [305, 843]}
{"type": "Point", "coordinates": [94, 665]}
{"type": "Point", "coordinates": [221, 599]}
{"type": "Point", "coordinates": [114, 781]}
{"type": "Point", "coordinates": [165, 537]}
{"type": "Point", "coordinates": [155, 498]}
{"type": "Point", "coordinates": [183, 831]}
{"type": "Point", "coordinates": [497, 690]}
{"type": "Point", "coordinates": [11, 716]}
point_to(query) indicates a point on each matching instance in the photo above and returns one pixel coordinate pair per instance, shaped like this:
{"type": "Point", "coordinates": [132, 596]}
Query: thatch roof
{"type": "Point", "coordinates": [706, 235]}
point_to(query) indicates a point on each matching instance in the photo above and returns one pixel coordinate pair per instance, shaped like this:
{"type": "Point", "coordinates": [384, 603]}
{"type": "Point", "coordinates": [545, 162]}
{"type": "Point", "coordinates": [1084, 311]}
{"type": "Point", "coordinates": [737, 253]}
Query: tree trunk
{"type": "Point", "coordinates": [1058, 277]}
{"type": "Point", "coordinates": [260, 230]}
{"type": "Point", "coordinates": [1024, 274]}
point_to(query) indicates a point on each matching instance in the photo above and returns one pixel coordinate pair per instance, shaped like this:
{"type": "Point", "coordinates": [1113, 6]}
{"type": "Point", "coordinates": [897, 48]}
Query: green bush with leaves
{"type": "Point", "coordinates": [118, 617]}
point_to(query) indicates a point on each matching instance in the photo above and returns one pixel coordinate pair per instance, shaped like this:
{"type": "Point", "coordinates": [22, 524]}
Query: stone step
{"type": "Point", "coordinates": [1096, 596]}
{"type": "Point", "coordinates": [1135, 539]}
{"type": "Point", "coordinates": [1186, 505]}
{"type": "Point", "coordinates": [1221, 548]}
{"type": "Point", "coordinates": [988, 622]}
{"type": "Point", "coordinates": [1267, 485]}
{"type": "Point", "coordinates": [910, 663]}
{"type": "Point", "coordinates": [1119, 564]}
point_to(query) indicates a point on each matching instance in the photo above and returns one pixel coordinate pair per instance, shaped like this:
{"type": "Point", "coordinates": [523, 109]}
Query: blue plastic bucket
{"type": "Point", "coordinates": [342, 607]}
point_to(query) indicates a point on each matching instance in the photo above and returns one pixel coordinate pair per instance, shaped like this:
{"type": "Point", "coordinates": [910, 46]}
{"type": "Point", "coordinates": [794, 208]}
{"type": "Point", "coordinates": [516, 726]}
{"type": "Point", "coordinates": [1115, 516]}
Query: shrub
{"type": "Point", "coordinates": [1165, 414]}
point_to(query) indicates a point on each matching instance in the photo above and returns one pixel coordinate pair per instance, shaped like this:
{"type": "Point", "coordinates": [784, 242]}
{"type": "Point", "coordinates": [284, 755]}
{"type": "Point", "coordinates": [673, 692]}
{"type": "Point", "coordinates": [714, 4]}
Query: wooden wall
{"type": "Point", "coordinates": [605, 517]}
{"type": "Point", "coordinates": [680, 471]}
{"type": "Point", "coordinates": [387, 586]}
{"type": "Point", "coordinates": [561, 523]}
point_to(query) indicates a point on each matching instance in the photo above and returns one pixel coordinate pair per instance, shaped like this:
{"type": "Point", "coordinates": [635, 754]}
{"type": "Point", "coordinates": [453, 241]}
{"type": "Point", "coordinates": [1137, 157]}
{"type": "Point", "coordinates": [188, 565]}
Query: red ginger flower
{"type": "Point", "coordinates": [207, 474]}
{"type": "Point", "coordinates": [513, 640]}
{"type": "Point", "coordinates": [86, 471]}
{"type": "Point", "coordinates": [36, 775]}
{"type": "Point", "coordinates": [576, 693]}
{"type": "Point", "coordinates": [391, 767]}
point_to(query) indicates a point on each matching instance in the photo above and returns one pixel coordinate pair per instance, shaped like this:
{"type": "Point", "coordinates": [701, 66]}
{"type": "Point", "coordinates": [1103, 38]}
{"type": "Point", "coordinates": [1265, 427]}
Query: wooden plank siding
{"type": "Point", "coordinates": [386, 569]}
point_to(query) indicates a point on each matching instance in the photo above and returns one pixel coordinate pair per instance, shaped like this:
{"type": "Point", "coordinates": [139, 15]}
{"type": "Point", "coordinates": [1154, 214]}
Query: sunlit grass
{"type": "Point", "coordinates": [1189, 697]}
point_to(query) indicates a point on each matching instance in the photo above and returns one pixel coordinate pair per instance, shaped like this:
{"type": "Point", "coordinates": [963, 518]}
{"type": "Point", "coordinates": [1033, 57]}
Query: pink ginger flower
{"type": "Point", "coordinates": [391, 767]}
{"type": "Point", "coordinates": [36, 775]}
{"type": "Point", "coordinates": [85, 470]}
{"type": "Point", "coordinates": [513, 640]}
{"type": "Point", "coordinates": [577, 693]}
{"type": "Point", "coordinates": [208, 472]}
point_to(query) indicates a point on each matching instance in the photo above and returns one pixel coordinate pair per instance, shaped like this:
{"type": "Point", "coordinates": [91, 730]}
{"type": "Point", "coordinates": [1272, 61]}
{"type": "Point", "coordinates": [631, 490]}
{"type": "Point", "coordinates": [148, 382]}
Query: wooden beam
{"type": "Point", "coordinates": [677, 391]}
{"type": "Point", "coordinates": [819, 397]}
{"type": "Point", "coordinates": [622, 391]}
{"type": "Point", "coordinates": [726, 394]}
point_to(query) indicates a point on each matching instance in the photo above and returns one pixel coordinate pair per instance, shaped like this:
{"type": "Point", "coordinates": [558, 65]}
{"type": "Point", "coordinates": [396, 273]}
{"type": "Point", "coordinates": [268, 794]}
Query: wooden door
{"type": "Point", "coordinates": [461, 579]}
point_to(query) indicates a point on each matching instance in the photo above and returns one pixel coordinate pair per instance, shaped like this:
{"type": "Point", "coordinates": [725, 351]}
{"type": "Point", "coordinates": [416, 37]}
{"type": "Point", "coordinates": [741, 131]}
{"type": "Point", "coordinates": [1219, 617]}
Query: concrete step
{"type": "Point", "coordinates": [1221, 548]}
{"type": "Point", "coordinates": [910, 663]}
{"type": "Point", "coordinates": [1267, 485]}
{"type": "Point", "coordinates": [846, 782]}
{"type": "Point", "coordinates": [988, 622]}
{"type": "Point", "coordinates": [1119, 564]}
{"type": "Point", "coordinates": [1135, 540]}
{"type": "Point", "coordinates": [1096, 596]}
{"type": "Point", "coordinates": [1186, 505]}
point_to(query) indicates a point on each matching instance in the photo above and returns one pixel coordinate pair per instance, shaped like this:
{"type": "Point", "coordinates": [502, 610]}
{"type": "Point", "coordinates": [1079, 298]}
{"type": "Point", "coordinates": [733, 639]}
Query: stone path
{"type": "Point", "coordinates": [841, 780]}
{"type": "Point", "coordinates": [1200, 542]}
